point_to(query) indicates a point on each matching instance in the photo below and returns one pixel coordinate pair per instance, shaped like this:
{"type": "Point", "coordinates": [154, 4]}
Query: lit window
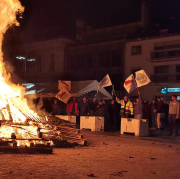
{"type": "Point", "coordinates": [136, 50]}
{"type": "Point", "coordinates": [31, 60]}
{"type": "Point", "coordinates": [20, 58]}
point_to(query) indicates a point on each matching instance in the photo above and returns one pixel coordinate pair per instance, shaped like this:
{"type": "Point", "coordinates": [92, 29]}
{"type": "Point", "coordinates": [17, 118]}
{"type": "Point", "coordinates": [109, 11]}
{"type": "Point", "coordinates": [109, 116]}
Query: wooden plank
{"type": "Point", "coordinates": [80, 142]}
{"type": "Point", "coordinates": [26, 150]}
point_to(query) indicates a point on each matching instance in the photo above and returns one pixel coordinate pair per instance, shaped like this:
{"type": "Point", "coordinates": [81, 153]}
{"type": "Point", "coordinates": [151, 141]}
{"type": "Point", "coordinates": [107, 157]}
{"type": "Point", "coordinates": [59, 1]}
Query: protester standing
{"type": "Point", "coordinates": [153, 114]}
{"type": "Point", "coordinates": [158, 111]}
{"type": "Point", "coordinates": [146, 109]}
{"type": "Point", "coordinates": [173, 115]}
{"type": "Point", "coordinates": [55, 108]}
{"type": "Point", "coordinates": [93, 107]}
{"type": "Point", "coordinates": [100, 109]}
{"type": "Point", "coordinates": [84, 109]}
{"type": "Point", "coordinates": [72, 107]}
{"type": "Point", "coordinates": [138, 108]}
{"type": "Point", "coordinates": [126, 107]}
{"type": "Point", "coordinates": [113, 112]}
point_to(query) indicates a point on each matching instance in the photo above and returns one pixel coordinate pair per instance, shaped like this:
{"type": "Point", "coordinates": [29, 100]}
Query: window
{"type": "Point", "coordinates": [105, 58]}
{"type": "Point", "coordinates": [136, 50]}
{"type": "Point", "coordinates": [90, 61]}
{"type": "Point", "coordinates": [178, 71]}
{"type": "Point", "coordinates": [116, 58]}
{"type": "Point", "coordinates": [81, 61]}
{"type": "Point", "coordinates": [161, 69]}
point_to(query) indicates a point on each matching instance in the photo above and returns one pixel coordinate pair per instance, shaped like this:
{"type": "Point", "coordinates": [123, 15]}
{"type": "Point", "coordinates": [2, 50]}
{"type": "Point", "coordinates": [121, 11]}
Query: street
{"type": "Point", "coordinates": [107, 155]}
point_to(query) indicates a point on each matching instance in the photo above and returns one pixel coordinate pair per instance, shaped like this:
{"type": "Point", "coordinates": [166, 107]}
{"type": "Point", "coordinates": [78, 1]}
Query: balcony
{"type": "Point", "coordinates": [165, 55]}
{"type": "Point", "coordinates": [165, 78]}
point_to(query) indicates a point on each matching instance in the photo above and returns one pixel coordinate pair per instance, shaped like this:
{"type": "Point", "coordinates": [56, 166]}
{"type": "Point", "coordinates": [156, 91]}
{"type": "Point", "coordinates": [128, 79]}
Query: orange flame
{"type": "Point", "coordinates": [11, 95]}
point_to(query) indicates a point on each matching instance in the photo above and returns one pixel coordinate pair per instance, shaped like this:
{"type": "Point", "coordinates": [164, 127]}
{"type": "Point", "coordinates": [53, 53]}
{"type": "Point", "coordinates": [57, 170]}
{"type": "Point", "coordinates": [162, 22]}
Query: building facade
{"type": "Point", "coordinates": [159, 57]}
{"type": "Point", "coordinates": [99, 52]}
{"type": "Point", "coordinates": [41, 61]}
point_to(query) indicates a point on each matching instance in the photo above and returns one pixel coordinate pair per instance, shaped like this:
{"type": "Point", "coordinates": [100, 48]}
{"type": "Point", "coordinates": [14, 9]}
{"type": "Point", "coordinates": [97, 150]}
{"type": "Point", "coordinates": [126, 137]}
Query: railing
{"type": "Point", "coordinates": [165, 78]}
{"type": "Point", "coordinates": [165, 54]}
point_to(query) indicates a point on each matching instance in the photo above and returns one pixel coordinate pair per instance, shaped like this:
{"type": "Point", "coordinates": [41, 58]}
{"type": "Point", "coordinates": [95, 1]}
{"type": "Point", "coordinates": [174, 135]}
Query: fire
{"type": "Point", "coordinates": [13, 106]}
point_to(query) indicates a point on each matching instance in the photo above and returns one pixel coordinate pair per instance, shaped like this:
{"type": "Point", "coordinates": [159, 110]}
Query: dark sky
{"type": "Point", "coordinates": [48, 18]}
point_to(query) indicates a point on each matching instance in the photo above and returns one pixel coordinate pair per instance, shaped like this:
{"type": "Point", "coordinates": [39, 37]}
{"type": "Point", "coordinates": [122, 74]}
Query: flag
{"type": "Point", "coordinates": [113, 93]}
{"type": "Point", "coordinates": [105, 82]}
{"type": "Point", "coordinates": [130, 84]}
{"type": "Point", "coordinates": [142, 78]}
{"type": "Point", "coordinates": [64, 84]}
{"type": "Point", "coordinates": [63, 95]}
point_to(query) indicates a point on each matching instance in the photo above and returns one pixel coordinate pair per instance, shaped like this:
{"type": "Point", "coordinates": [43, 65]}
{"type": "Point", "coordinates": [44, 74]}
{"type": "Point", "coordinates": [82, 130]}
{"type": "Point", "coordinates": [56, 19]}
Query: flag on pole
{"type": "Point", "coordinates": [105, 82]}
{"type": "Point", "coordinates": [142, 78]}
{"type": "Point", "coordinates": [63, 95]}
{"type": "Point", "coordinates": [130, 84]}
{"type": "Point", "coordinates": [64, 84]}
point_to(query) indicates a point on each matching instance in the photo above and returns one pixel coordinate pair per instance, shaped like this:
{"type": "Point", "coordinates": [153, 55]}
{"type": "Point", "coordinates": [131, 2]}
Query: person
{"type": "Point", "coordinates": [146, 109]}
{"type": "Point", "coordinates": [55, 108]}
{"type": "Point", "coordinates": [100, 109]}
{"type": "Point", "coordinates": [173, 115]}
{"type": "Point", "coordinates": [158, 111]}
{"type": "Point", "coordinates": [113, 112]}
{"type": "Point", "coordinates": [126, 107]}
{"type": "Point", "coordinates": [72, 107]}
{"type": "Point", "coordinates": [153, 114]}
{"type": "Point", "coordinates": [138, 107]}
{"type": "Point", "coordinates": [84, 109]}
{"type": "Point", "coordinates": [105, 106]}
{"type": "Point", "coordinates": [93, 107]}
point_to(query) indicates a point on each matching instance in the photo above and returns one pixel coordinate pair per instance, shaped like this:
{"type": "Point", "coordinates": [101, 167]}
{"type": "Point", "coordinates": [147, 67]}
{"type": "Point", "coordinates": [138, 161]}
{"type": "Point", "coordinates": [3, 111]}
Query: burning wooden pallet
{"type": "Point", "coordinates": [35, 131]}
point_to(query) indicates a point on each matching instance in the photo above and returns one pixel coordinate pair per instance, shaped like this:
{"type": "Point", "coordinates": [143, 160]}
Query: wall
{"type": "Point", "coordinates": [49, 59]}
{"type": "Point", "coordinates": [143, 61]}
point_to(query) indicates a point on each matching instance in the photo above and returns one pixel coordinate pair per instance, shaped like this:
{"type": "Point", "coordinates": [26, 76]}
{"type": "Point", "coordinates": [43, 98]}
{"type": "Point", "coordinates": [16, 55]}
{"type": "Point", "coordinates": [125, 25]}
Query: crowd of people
{"type": "Point", "coordinates": [159, 113]}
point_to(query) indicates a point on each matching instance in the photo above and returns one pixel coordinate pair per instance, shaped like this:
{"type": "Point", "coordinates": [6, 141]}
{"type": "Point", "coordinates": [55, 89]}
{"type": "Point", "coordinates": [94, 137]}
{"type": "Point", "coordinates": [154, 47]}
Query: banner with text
{"type": "Point", "coordinates": [64, 84]}
{"type": "Point", "coordinates": [63, 95]}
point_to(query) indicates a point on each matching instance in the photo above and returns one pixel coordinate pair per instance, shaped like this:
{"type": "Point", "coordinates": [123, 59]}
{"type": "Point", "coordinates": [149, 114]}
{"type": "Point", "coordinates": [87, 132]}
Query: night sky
{"type": "Point", "coordinates": [47, 19]}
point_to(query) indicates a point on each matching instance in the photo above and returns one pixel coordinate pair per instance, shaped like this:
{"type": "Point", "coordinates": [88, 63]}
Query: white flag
{"type": "Point", "coordinates": [142, 78]}
{"type": "Point", "coordinates": [63, 95]}
{"type": "Point", "coordinates": [64, 84]}
{"type": "Point", "coordinates": [105, 82]}
{"type": "Point", "coordinates": [130, 84]}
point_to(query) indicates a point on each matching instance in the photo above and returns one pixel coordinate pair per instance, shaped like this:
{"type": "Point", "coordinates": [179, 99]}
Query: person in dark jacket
{"type": "Point", "coordinates": [113, 112]}
{"type": "Point", "coordinates": [159, 112]}
{"type": "Point", "coordinates": [153, 114]}
{"type": "Point", "coordinates": [146, 109]}
{"type": "Point", "coordinates": [93, 107]}
{"type": "Point", "coordinates": [84, 109]}
{"type": "Point", "coordinates": [55, 108]}
{"type": "Point", "coordinates": [100, 109]}
{"type": "Point", "coordinates": [105, 106]}
{"type": "Point", "coordinates": [138, 108]}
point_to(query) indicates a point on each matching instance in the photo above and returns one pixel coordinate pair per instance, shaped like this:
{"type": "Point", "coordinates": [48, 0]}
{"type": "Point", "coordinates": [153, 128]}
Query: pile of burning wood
{"type": "Point", "coordinates": [21, 128]}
